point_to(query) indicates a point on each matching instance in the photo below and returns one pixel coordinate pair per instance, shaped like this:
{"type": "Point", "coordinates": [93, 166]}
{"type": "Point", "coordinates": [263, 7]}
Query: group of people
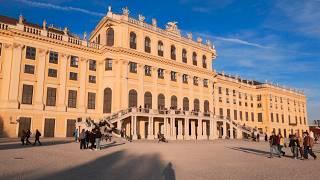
{"type": "Point", "coordinates": [92, 139]}
{"type": "Point", "coordinates": [301, 147]}
{"type": "Point", "coordinates": [26, 134]}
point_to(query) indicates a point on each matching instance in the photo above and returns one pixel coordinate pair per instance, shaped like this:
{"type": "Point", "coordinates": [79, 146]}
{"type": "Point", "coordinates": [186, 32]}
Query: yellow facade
{"type": "Point", "coordinates": [125, 63]}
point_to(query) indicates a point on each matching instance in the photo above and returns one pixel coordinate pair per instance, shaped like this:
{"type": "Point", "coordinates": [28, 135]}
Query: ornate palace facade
{"type": "Point", "coordinates": [50, 78]}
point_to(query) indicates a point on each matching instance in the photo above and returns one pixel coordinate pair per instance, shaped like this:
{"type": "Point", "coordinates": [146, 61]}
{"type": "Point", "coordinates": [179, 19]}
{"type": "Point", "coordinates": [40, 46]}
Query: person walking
{"type": "Point", "coordinates": [300, 146]}
{"type": "Point", "coordinates": [28, 134]}
{"type": "Point", "coordinates": [265, 137]}
{"type": "Point", "coordinates": [308, 144]}
{"type": "Point", "coordinates": [23, 137]}
{"type": "Point", "coordinates": [258, 137]}
{"type": "Point", "coordinates": [82, 138]}
{"type": "Point", "coordinates": [281, 144]}
{"type": "Point", "coordinates": [273, 140]}
{"type": "Point", "coordinates": [98, 139]}
{"type": "Point", "coordinates": [75, 134]}
{"type": "Point", "coordinates": [37, 136]}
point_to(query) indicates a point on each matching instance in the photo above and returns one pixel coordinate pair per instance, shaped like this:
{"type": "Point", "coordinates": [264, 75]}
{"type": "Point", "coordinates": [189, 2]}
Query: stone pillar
{"type": "Point", "coordinates": [6, 70]}
{"type": "Point", "coordinates": [186, 129]}
{"type": "Point", "coordinates": [180, 136]}
{"type": "Point", "coordinates": [40, 88]}
{"type": "Point", "coordinates": [134, 134]}
{"type": "Point", "coordinates": [199, 129]}
{"type": "Point", "coordinates": [231, 131]}
{"type": "Point", "coordinates": [204, 130]}
{"type": "Point", "coordinates": [142, 126]}
{"type": "Point", "coordinates": [150, 128]}
{"type": "Point", "coordinates": [62, 82]}
{"type": "Point", "coordinates": [15, 76]}
{"type": "Point", "coordinates": [224, 135]}
{"type": "Point", "coordinates": [214, 128]}
{"type": "Point", "coordinates": [166, 128]}
{"type": "Point", "coordinates": [83, 81]}
{"type": "Point", "coordinates": [173, 129]}
{"type": "Point", "coordinates": [211, 129]}
{"type": "Point", "coordinates": [193, 130]}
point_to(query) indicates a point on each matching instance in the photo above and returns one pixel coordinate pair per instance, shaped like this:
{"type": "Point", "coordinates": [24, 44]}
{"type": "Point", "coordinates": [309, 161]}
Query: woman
{"type": "Point", "coordinates": [281, 144]}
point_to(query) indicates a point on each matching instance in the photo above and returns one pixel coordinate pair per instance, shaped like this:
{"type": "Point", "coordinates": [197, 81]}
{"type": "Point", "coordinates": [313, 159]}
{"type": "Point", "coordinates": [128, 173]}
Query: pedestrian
{"type": "Point", "coordinates": [28, 134]}
{"type": "Point", "coordinates": [82, 138]}
{"type": "Point", "coordinates": [37, 136]}
{"type": "Point", "coordinates": [308, 144]}
{"type": "Point", "coordinates": [294, 145]}
{"type": "Point", "coordinates": [281, 144]}
{"type": "Point", "coordinates": [87, 139]}
{"type": "Point", "coordinates": [75, 134]}
{"type": "Point", "coordinates": [98, 139]}
{"type": "Point", "coordinates": [265, 137]}
{"type": "Point", "coordinates": [23, 136]}
{"type": "Point", "coordinates": [92, 139]}
{"type": "Point", "coordinates": [273, 140]}
{"type": "Point", "coordinates": [258, 137]}
{"type": "Point", "coordinates": [300, 146]}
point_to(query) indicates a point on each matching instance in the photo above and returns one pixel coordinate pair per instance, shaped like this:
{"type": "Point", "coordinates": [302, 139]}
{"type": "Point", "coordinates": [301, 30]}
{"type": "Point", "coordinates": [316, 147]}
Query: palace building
{"type": "Point", "coordinates": [137, 75]}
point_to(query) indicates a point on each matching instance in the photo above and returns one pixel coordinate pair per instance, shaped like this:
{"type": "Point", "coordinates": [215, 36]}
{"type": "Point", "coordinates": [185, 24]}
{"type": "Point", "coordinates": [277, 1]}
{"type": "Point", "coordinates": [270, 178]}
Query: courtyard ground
{"type": "Point", "coordinates": [147, 160]}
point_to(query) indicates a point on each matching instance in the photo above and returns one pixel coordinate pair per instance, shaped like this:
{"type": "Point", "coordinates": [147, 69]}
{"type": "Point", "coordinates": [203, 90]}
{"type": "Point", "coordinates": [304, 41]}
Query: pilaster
{"type": "Point", "coordinates": [62, 82]}
{"type": "Point", "coordinates": [83, 82]}
{"type": "Point", "coordinates": [40, 88]}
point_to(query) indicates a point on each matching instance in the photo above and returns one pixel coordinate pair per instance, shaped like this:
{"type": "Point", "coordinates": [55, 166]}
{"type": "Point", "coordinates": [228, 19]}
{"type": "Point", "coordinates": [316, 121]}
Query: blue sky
{"type": "Point", "coordinates": [278, 41]}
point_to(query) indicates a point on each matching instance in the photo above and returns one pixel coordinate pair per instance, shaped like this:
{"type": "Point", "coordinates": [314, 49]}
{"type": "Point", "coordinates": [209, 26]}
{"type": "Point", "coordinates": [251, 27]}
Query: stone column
{"type": "Point", "coordinates": [83, 82]}
{"type": "Point", "coordinates": [150, 128]}
{"type": "Point", "coordinates": [135, 136]}
{"type": "Point", "coordinates": [212, 130]}
{"type": "Point", "coordinates": [204, 130]}
{"type": "Point", "coordinates": [6, 70]}
{"type": "Point", "coordinates": [15, 75]}
{"type": "Point", "coordinates": [62, 82]}
{"type": "Point", "coordinates": [124, 85]}
{"type": "Point", "coordinates": [166, 128]}
{"type": "Point", "coordinates": [199, 129]}
{"type": "Point", "coordinates": [231, 131]}
{"type": "Point", "coordinates": [180, 136]}
{"type": "Point", "coordinates": [140, 89]}
{"type": "Point", "coordinates": [224, 135]}
{"type": "Point", "coordinates": [193, 129]}
{"type": "Point", "coordinates": [173, 129]}
{"type": "Point", "coordinates": [40, 87]}
{"type": "Point", "coordinates": [186, 129]}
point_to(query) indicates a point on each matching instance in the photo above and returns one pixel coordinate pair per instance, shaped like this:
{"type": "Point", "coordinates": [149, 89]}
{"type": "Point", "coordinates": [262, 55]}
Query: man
{"type": "Point", "coordinates": [82, 138]}
{"type": "Point", "coordinates": [28, 134]}
{"type": "Point", "coordinates": [294, 145]}
{"type": "Point", "coordinates": [23, 136]}
{"type": "Point", "coordinates": [98, 139]}
{"type": "Point", "coordinates": [37, 136]}
{"type": "Point", "coordinates": [308, 143]}
{"type": "Point", "coordinates": [273, 140]}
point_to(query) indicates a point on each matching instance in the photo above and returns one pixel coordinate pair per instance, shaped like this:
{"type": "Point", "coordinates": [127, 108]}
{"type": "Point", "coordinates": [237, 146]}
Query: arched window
{"type": "Point", "coordinates": [110, 37]}
{"type": "Point", "coordinates": [174, 103]}
{"type": "Point", "coordinates": [194, 58]}
{"type": "Point", "coordinates": [161, 101]}
{"type": "Point", "coordinates": [133, 98]}
{"type": "Point", "coordinates": [196, 105]}
{"type": "Point", "coordinates": [107, 100]}
{"type": "Point", "coordinates": [204, 61]}
{"type": "Point", "coordinates": [206, 106]}
{"type": "Point", "coordinates": [160, 48]}
{"type": "Point", "coordinates": [185, 104]}
{"type": "Point", "coordinates": [148, 100]}
{"type": "Point", "coordinates": [133, 40]}
{"type": "Point", "coordinates": [147, 45]}
{"type": "Point", "coordinates": [184, 56]}
{"type": "Point", "coordinates": [173, 52]}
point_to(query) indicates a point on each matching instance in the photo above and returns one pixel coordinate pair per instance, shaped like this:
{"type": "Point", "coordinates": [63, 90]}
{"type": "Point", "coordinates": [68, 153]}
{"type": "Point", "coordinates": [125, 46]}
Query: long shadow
{"type": "Point", "coordinates": [251, 151]}
{"type": "Point", "coordinates": [18, 145]}
{"type": "Point", "coordinates": [116, 166]}
{"type": "Point", "coordinates": [113, 144]}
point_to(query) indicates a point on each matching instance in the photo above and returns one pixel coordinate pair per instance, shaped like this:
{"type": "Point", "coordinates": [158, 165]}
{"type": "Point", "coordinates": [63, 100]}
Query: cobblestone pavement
{"type": "Point", "coordinates": [178, 160]}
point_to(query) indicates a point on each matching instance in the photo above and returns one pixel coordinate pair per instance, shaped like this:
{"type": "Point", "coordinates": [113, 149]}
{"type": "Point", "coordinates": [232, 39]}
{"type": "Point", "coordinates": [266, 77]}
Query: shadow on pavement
{"type": "Point", "coordinates": [114, 143]}
{"type": "Point", "coordinates": [18, 145]}
{"type": "Point", "coordinates": [116, 166]}
{"type": "Point", "coordinates": [251, 151]}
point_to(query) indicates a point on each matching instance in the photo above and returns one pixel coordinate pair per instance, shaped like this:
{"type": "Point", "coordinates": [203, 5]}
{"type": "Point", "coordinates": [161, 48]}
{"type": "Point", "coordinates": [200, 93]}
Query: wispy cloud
{"type": "Point", "coordinates": [59, 7]}
{"type": "Point", "coordinates": [239, 41]}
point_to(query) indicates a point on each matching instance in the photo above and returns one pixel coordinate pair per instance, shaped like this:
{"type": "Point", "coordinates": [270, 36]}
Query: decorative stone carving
{"type": "Point", "coordinates": [199, 40]}
{"type": "Point", "coordinates": [44, 24]}
{"type": "Point", "coordinates": [172, 26]}
{"type": "Point", "coordinates": [189, 35]}
{"type": "Point", "coordinates": [6, 45]}
{"type": "Point", "coordinates": [85, 36]}
{"type": "Point", "coordinates": [109, 9]}
{"type": "Point", "coordinates": [21, 19]}
{"type": "Point", "coordinates": [154, 22]}
{"type": "Point", "coordinates": [65, 30]}
{"type": "Point", "coordinates": [208, 42]}
{"type": "Point", "coordinates": [125, 11]}
{"type": "Point", "coordinates": [16, 45]}
{"type": "Point", "coordinates": [141, 18]}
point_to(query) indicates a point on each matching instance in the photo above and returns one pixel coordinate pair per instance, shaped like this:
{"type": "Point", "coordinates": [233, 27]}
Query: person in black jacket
{"type": "Point", "coordinates": [98, 139]}
{"type": "Point", "coordinates": [92, 139]}
{"type": "Point", "coordinates": [274, 142]}
{"type": "Point", "coordinates": [28, 134]}
{"type": "Point", "coordinates": [37, 136]}
{"type": "Point", "coordinates": [23, 136]}
{"type": "Point", "coordinates": [87, 139]}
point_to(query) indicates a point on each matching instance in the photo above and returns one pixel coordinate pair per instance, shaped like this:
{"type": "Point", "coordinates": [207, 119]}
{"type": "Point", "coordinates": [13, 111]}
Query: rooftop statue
{"type": "Point", "coordinates": [125, 11]}
{"type": "Point", "coordinates": [172, 26]}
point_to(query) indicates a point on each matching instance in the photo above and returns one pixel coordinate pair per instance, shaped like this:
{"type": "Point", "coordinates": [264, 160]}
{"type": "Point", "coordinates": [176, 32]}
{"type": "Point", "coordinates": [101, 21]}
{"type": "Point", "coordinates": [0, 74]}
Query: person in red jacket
{"type": "Point", "coordinates": [308, 143]}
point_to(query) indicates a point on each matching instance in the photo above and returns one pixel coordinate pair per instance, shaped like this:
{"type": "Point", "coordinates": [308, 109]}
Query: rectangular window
{"type": "Point", "coordinates": [91, 100]}
{"type": "Point", "coordinates": [234, 93]}
{"type": "Point", "coordinates": [234, 101]}
{"type": "Point", "coordinates": [220, 111]}
{"type": "Point", "coordinates": [252, 116]}
{"type": "Point", "coordinates": [205, 83]}
{"type": "Point", "coordinates": [92, 79]}
{"type": "Point", "coordinates": [73, 76]}
{"type": "Point", "coordinates": [235, 115]}
{"type": "Point", "coordinates": [72, 99]}
{"type": "Point", "coordinates": [160, 73]}
{"type": "Point", "coordinates": [27, 93]}
{"type": "Point", "coordinates": [29, 69]}
{"type": "Point", "coordinates": [92, 65]}
{"type": "Point", "coordinates": [247, 116]}
{"type": "Point", "coordinates": [195, 81]}
{"type": "Point", "coordinates": [227, 91]}
{"type": "Point", "coordinates": [74, 61]}
{"type": "Point", "coordinates": [147, 70]}
{"type": "Point", "coordinates": [0, 49]}
{"type": "Point", "coordinates": [220, 99]}
{"type": "Point", "coordinates": [271, 117]}
{"type": "Point", "coordinates": [108, 65]}
{"type": "Point", "coordinates": [173, 76]}
{"type": "Point", "coordinates": [52, 73]}
{"type": "Point", "coordinates": [185, 78]}
{"type": "Point", "coordinates": [277, 115]}
{"type": "Point", "coordinates": [239, 95]}
{"type": "Point", "coordinates": [133, 67]}
{"type": "Point", "coordinates": [220, 90]}
{"type": "Point", "coordinates": [282, 118]}
{"type": "Point", "coordinates": [31, 53]}
{"type": "Point", "coordinates": [228, 113]}
{"type": "Point", "coordinates": [53, 57]}
{"type": "Point", "coordinates": [51, 96]}
{"type": "Point", "coordinates": [240, 114]}
{"type": "Point", "coordinates": [259, 117]}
